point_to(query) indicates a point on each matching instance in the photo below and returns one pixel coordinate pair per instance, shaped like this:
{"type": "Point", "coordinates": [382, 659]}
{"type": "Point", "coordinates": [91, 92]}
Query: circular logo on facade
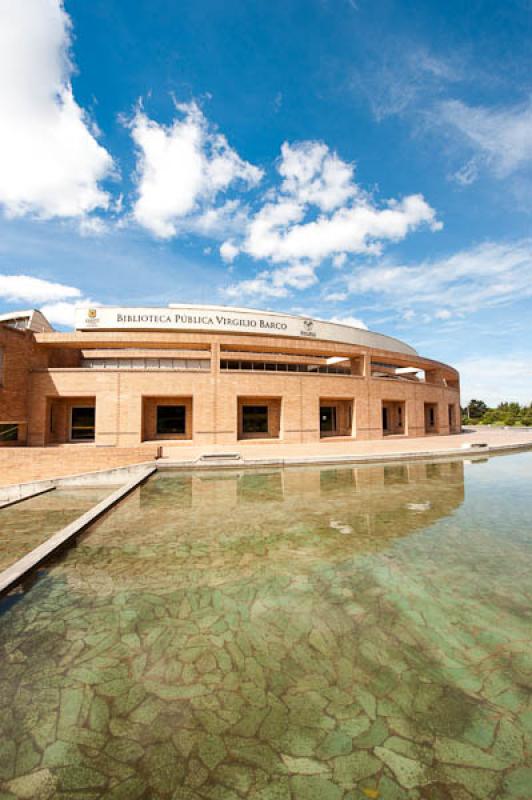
{"type": "Point", "coordinates": [91, 313]}
{"type": "Point", "coordinates": [308, 324]}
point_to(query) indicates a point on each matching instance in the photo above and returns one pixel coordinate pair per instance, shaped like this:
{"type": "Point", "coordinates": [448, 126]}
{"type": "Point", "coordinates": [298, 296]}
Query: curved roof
{"type": "Point", "coordinates": [231, 319]}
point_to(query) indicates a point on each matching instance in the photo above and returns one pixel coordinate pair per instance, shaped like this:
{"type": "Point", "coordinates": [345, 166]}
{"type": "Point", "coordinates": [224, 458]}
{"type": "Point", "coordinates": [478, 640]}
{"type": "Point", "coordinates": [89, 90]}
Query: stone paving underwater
{"type": "Point", "coordinates": [306, 634]}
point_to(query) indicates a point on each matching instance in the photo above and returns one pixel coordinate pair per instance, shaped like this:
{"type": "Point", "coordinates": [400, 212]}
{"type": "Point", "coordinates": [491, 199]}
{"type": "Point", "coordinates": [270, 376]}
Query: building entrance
{"type": "Point", "coordinates": [327, 420]}
{"type": "Point", "coordinates": [82, 423]}
{"type": "Point", "coordinates": [393, 417]}
{"type": "Point", "coordinates": [431, 418]}
{"type": "Point", "coordinates": [254, 419]}
{"type": "Point", "coordinates": [336, 416]}
{"type": "Point", "coordinates": [259, 418]}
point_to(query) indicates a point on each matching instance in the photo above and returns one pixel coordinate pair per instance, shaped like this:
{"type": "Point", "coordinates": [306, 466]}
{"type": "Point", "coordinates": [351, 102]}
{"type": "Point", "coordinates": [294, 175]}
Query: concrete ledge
{"type": "Point", "coordinates": [20, 495]}
{"type": "Point", "coordinates": [23, 491]}
{"type": "Point", "coordinates": [17, 571]}
{"type": "Point", "coordinates": [101, 477]}
{"type": "Point", "coordinates": [373, 458]}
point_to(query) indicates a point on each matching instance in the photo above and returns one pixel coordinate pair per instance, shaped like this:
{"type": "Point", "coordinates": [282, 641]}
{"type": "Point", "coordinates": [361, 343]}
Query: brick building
{"type": "Point", "coordinates": [213, 374]}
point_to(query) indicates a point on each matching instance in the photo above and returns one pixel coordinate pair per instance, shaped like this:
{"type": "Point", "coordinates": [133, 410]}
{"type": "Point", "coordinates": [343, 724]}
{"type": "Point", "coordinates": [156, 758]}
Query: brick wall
{"type": "Point", "coordinates": [44, 375]}
{"type": "Point", "coordinates": [17, 351]}
{"type": "Point", "coordinates": [21, 465]}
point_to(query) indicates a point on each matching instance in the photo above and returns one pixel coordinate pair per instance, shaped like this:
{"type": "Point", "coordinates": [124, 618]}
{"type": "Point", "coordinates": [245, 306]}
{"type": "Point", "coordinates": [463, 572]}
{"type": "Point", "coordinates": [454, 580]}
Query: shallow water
{"type": "Point", "coordinates": [27, 524]}
{"type": "Point", "coordinates": [328, 634]}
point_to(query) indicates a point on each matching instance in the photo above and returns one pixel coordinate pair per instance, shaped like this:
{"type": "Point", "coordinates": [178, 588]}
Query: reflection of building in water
{"type": "Point", "coordinates": [223, 526]}
{"type": "Point", "coordinates": [353, 484]}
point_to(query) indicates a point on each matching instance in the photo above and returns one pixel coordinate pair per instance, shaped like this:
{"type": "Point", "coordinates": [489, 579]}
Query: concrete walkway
{"type": "Point", "coordinates": [327, 450]}
{"type": "Point", "coordinates": [16, 572]}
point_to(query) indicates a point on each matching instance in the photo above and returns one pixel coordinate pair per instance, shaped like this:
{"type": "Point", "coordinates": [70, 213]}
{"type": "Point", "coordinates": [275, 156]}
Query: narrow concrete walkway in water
{"type": "Point", "coordinates": [16, 572]}
{"type": "Point", "coordinates": [346, 450]}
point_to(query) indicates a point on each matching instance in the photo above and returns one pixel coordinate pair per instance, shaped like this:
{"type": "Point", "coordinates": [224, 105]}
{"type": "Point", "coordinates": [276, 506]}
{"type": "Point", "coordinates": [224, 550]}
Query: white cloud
{"type": "Point", "coordinates": [495, 380]}
{"type": "Point", "coordinates": [26, 289]}
{"type": "Point", "coordinates": [256, 287]}
{"type": "Point", "coordinates": [278, 232]}
{"type": "Point", "coordinates": [335, 297]}
{"type": "Point", "coordinates": [182, 168]}
{"type": "Point", "coordinates": [468, 173]}
{"type": "Point", "coordinates": [400, 76]}
{"type": "Point", "coordinates": [50, 161]}
{"type": "Point", "coordinates": [276, 282]}
{"type": "Point", "coordinates": [349, 320]}
{"type": "Point", "coordinates": [215, 222]}
{"type": "Point", "coordinates": [228, 252]}
{"type": "Point", "coordinates": [339, 260]}
{"type": "Point", "coordinates": [501, 136]}
{"type": "Point", "coordinates": [312, 174]}
{"type": "Point", "coordinates": [487, 275]}
{"type": "Point", "coordinates": [57, 301]}
{"type": "Point", "coordinates": [62, 312]}
{"type": "Point", "coordinates": [319, 212]}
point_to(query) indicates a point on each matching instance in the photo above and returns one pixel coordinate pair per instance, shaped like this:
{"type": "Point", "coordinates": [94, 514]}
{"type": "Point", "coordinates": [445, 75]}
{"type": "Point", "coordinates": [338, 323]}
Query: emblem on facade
{"type": "Point", "coordinates": [308, 328]}
{"type": "Point", "coordinates": [91, 313]}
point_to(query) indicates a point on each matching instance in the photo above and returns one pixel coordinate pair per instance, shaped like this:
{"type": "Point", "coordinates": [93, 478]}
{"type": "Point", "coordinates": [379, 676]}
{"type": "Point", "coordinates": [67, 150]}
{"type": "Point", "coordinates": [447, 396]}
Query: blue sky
{"type": "Point", "coordinates": [366, 162]}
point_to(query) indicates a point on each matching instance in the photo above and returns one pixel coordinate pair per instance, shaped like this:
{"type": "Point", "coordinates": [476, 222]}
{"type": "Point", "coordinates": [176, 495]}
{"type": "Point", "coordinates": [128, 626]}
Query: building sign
{"type": "Point", "coordinates": [219, 319]}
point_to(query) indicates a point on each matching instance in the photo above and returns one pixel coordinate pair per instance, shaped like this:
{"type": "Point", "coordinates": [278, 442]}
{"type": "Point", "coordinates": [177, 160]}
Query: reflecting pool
{"type": "Point", "coordinates": [306, 634]}
{"type": "Point", "coordinates": [25, 525]}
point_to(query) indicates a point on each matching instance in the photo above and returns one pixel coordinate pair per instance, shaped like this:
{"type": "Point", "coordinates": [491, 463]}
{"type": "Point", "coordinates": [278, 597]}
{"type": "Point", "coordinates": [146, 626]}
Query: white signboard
{"type": "Point", "coordinates": [220, 319]}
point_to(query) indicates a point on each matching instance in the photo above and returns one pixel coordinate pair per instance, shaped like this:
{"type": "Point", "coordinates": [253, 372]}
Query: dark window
{"type": "Point", "coordinates": [451, 416]}
{"type": "Point", "coordinates": [327, 419]}
{"type": "Point", "coordinates": [83, 423]}
{"type": "Point", "coordinates": [280, 366]}
{"type": "Point", "coordinates": [399, 416]}
{"type": "Point", "coordinates": [255, 419]}
{"type": "Point", "coordinates": [171, 419]}
{"type": "Point", "coordinates": [431, 416]}
{"type": "Point", "coordinates": [8, 432]}
{"type": "Point", "coordinates": [385, 419]}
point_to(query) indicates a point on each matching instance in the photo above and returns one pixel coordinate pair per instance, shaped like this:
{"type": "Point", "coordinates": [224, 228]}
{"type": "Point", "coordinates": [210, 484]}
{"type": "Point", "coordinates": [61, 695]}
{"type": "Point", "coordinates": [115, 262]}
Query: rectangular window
{"type": "Point", "coordinates": [278, 366]}
{"type": "Point", "coordinates": [431, 418]}
{"type": "Point", "coordinates": [385, 419]}
{"type": "Point", "coordinates": [82, 425]}
{"type": "Point", "coordinates": [8, 432]}
{"type": "Point", "coordinates": [171, 420]}
{"type": "Point", "coordinates": [327, 419]}
{"type": "Point", "coordinates": [451, 416]}
{"type": "Point", "coordinates": [255, 419]}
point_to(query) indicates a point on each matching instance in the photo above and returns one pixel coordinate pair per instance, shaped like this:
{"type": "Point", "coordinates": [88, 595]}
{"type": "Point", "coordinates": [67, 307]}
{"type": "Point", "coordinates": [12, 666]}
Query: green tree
{"type": "Point", "coordinates": [506, 413]}
{"type": "Point", "coordinates": [476, 409]}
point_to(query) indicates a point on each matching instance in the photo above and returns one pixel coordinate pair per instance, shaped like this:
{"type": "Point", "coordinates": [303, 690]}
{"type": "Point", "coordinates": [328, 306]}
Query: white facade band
{"type": "Point", "coordinates": [224, 319]}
